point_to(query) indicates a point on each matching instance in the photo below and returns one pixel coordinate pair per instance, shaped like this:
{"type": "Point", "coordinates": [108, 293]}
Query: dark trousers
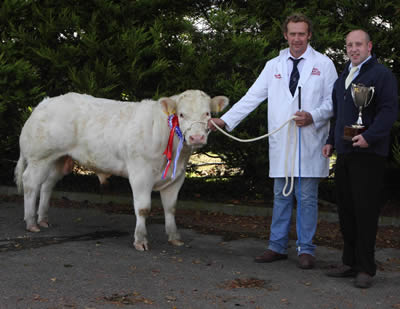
{"type": "Point", "coordinates": [359, 184]}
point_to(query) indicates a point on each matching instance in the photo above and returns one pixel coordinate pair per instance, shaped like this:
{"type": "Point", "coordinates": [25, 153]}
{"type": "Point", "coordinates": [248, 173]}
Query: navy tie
{"type": "Point", "coordinates": [294, 76]}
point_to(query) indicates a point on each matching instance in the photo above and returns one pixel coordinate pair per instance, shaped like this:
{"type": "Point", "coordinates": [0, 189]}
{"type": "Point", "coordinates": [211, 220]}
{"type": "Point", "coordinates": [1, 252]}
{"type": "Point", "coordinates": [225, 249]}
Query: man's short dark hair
{"type": "Point", "coordinates": [297, 18]}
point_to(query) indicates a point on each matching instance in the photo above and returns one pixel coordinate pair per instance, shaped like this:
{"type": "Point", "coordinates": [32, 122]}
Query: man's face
{"type": "Point", "coordinates": [297, 36]}
{"type": "Point", "coordinates": [357, 47]}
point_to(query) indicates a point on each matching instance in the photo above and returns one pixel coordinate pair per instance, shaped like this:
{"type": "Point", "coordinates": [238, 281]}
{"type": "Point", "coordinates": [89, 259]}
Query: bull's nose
{"type": "Point", "coordinates": [197, 139]}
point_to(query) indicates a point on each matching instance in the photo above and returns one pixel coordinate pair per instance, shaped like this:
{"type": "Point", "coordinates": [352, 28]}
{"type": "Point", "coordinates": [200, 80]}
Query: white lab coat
{"type": "Point", "coordinates": [317, 76]}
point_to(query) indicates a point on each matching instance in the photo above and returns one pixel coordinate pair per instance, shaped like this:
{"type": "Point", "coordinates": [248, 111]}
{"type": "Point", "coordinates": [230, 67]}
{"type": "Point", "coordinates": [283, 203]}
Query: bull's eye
{"type": "Point", "coordinates": [180, 115]}
{"type": "Point", "coordinates": [207, 114]}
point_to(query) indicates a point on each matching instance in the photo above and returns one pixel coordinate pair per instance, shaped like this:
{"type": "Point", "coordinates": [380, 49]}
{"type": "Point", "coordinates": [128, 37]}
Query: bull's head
{"type": "Point", "coordinates": [194, 108]}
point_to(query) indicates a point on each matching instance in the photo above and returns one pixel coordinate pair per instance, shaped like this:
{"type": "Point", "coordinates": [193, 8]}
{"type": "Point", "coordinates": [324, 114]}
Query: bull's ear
{"type": "Point", "coordinates": [168, 105]}
{"type": "Point", "coordinates": [218, 103]}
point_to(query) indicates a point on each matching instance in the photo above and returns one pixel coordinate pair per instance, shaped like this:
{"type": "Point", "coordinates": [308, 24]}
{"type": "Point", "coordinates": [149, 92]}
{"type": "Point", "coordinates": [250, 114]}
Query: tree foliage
{"type": "Point", "coordinates": [124, 49]}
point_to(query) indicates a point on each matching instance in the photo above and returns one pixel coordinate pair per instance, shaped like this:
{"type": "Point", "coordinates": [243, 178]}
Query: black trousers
{"type": "Point", "coordinates": [359, 183]}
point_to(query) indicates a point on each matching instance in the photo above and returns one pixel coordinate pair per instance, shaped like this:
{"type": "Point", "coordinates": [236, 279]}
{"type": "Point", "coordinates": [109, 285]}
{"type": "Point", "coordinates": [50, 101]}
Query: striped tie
{"type": "Point", "coordinates": [294, 76]}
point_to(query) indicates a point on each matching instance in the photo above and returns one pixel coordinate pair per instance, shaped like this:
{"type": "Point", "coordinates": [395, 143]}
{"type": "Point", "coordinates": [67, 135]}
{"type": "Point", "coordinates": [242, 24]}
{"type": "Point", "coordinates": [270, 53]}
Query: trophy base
{"type": "Point", "coordinates": [350, 131]}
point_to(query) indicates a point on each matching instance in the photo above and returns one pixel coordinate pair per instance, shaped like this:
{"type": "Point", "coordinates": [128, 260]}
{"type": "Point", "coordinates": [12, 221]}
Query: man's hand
{"type": "Point", "coordinates": [327, 150]}
{"type": "Point", "coordinates": [219, 122]}
{"type": "Point", "coordinates": [359, 141]}
{"type": "Point", "coordinates": [303, 119]}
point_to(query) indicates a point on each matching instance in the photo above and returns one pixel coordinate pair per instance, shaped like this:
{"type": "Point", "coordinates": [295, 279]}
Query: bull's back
{"type": "Point", "coordinates": [101, 134]}
{"type": "Point", "coordinates": [65, 123]}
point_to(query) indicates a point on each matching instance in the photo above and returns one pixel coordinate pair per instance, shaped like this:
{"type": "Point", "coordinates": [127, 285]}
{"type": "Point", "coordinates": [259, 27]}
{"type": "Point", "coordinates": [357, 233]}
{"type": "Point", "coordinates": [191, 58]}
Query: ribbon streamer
{"type": "Point", "coordinates": [173, 123]}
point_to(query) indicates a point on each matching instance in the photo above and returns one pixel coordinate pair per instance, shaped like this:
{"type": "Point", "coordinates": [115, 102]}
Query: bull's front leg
{"type": "Point", "coordinates": [141, 190]}
{"type": "Point", "coordinates": [142, 205]}
{"type": "Point", "coordinates": [169, 198]}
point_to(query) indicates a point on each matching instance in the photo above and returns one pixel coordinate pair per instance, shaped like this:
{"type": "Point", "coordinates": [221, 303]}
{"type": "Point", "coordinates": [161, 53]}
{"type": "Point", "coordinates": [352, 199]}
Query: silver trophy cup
{"type": "Point", "coordinates": [362, 97]}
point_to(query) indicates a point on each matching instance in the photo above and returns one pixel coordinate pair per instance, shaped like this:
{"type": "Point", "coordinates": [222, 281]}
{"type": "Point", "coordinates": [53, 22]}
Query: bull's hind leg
{"type": "Point", "coordinates": [56, 172]}
{"type": "Point", "coordinates": [141, 190]}
{"type": "Point", "coordinates": [34, 175]}
{"type": "Point", "coordinates": [169, 197]}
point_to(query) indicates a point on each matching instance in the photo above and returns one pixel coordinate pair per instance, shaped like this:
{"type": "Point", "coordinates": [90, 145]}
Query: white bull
{"type": "Point", "coordinates": [112, 138]}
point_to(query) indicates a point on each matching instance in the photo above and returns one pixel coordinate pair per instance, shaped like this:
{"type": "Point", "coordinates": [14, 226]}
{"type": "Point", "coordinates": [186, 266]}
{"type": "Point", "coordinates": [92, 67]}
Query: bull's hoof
{"type": "Point", "coordinates": [33, 229]}
{"type": "Point", "coordinates": [141, 246]}
{"type": "Point", "coordinates": [176, 242]}
{"type": "Point", "coordinates": [44, 224]}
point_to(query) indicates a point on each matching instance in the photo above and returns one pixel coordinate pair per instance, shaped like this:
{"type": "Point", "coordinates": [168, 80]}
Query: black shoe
{"type": "Point", "coordinates": [270, 256]}
{"type": "Point", "coordinates": [363, 280]}
{"type": "Point", "coordinates": [342, 271]}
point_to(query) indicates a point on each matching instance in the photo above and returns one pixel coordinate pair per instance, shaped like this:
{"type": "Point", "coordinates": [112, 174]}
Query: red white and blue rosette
{"type": "Point", "coordinates": [173, 123]}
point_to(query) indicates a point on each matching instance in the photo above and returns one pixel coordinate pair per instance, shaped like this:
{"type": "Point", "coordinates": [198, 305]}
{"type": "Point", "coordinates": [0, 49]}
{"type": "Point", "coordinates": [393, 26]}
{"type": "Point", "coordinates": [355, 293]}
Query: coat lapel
{"type": "Point", "coordinates": [306, 71]}
{"type": "Point", "coordinates": [283, 68]}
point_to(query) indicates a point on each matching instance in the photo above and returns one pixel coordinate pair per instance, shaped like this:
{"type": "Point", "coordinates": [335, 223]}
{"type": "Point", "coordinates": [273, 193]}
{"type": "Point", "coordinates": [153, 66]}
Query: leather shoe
{"type": "Point", "coordinates": [363, 280]}
{"type": "Point", "coordinates": [306, 261]}
{"type": "Point", "coordinates": [270, 256]}
{"type": "Point", "coordinates": [342, 271]}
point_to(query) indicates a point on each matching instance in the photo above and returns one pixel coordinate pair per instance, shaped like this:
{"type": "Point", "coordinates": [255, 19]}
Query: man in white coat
{"type": "Point", "coordinates": [297, 66]}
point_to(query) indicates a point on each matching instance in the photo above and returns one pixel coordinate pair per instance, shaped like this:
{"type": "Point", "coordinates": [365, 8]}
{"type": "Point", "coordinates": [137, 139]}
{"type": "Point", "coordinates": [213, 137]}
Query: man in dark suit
{"type": "Point", "coordinates": [360, 162]}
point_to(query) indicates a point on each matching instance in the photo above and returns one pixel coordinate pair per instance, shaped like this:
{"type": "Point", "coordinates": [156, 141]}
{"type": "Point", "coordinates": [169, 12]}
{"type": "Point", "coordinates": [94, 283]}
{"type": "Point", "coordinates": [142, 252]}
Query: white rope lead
{"type": "Point", "coordinates": [284, 193]}
{"type": "Point", "coordinates": [251, 139]}
{"type": "Point", "coordinates": [287, 152]}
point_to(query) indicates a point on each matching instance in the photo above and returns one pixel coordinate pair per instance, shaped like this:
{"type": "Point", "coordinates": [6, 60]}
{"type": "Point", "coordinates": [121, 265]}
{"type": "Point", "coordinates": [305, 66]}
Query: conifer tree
{"type": "Point", "coordinates": [124, 49]}
{"type": "Point", "coordinates": [109, 48]}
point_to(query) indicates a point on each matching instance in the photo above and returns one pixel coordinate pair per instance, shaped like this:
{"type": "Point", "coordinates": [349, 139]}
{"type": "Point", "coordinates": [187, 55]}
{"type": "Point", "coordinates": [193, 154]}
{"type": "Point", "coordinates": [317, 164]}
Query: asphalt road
{"type": "Point", "coordinates": [86, 260]}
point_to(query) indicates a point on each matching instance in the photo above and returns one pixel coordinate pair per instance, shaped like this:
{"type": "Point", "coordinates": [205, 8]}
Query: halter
{"type": "Point", "coordinates": [207, 129]}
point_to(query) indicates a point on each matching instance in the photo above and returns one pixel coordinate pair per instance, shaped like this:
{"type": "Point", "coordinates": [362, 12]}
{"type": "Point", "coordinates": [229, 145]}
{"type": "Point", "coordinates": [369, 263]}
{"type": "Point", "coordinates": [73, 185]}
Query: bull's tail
{"type": "Point", "coordinates": [19, 170]}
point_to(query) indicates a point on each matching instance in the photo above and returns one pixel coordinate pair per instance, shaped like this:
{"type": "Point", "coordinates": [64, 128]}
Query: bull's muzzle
{"type": "Point", "coordinates": [197, 139]}
{"type": "Point", "coordinates": [197, 133]}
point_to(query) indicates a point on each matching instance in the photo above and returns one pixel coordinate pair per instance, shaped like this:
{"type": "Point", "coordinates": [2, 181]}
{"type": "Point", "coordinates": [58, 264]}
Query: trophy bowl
{"type": "Point", "coordinates": [362, 97]}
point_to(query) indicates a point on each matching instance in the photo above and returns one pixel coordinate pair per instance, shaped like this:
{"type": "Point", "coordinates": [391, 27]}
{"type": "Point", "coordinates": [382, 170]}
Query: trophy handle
{"type": "Point", "coordinates": [372, 95]}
